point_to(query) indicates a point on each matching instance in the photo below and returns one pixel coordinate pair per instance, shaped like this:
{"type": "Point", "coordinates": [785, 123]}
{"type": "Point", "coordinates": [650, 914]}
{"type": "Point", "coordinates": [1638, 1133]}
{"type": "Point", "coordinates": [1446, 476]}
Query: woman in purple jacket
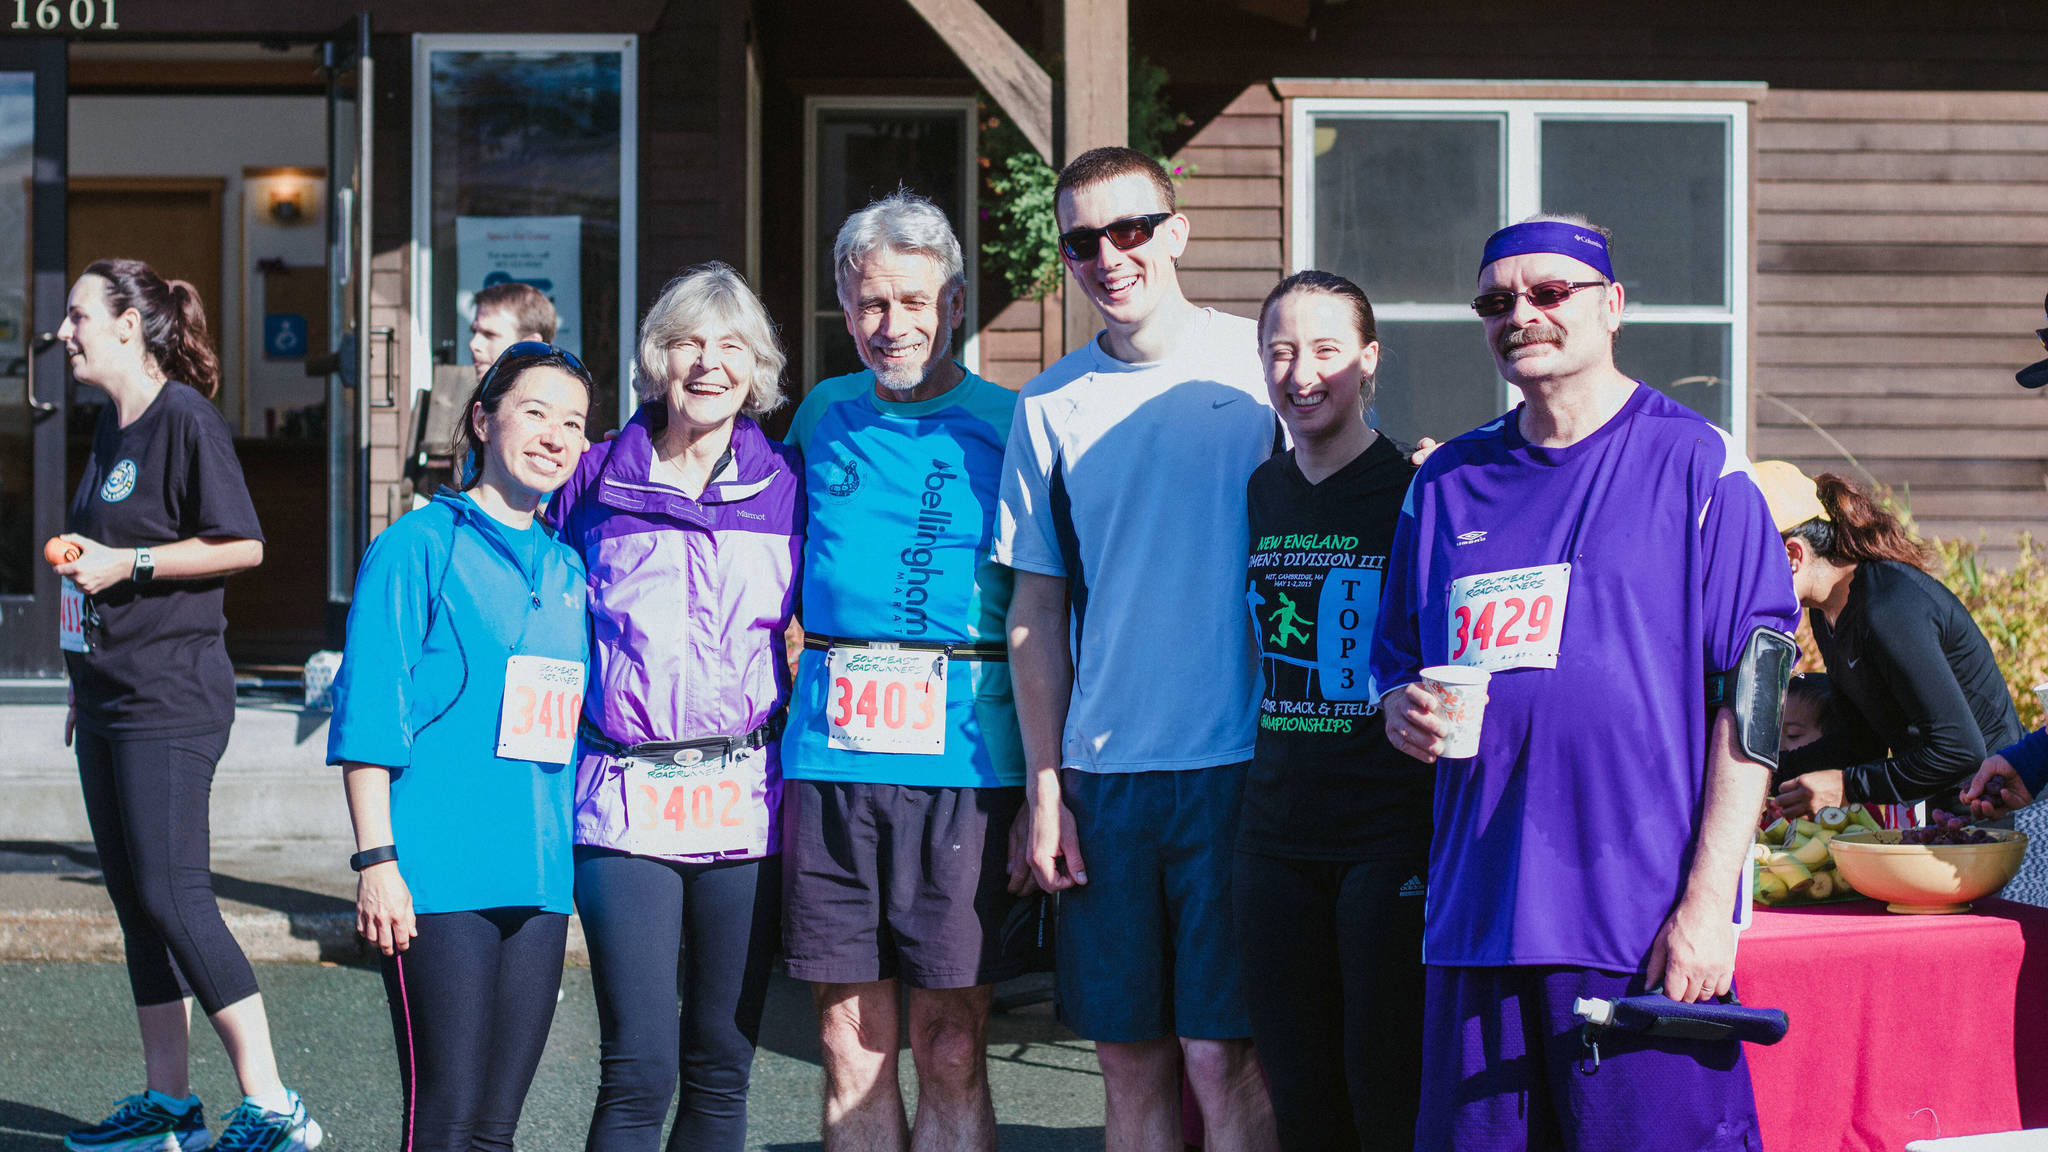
{"type": "Point", "coordinates": [691, 525]}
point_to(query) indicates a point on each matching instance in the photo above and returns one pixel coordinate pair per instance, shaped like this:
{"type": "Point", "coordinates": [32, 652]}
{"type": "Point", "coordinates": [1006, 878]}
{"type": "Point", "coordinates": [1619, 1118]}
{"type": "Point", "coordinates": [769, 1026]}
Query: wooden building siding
{"type": "Point", "coordinates": [1901, 254]}
{"type": "Point", "coordinates": [1233, 197]}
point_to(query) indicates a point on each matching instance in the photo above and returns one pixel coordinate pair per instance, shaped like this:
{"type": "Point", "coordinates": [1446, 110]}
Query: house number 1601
{"type": "Point", "coordinates": [50, 14]}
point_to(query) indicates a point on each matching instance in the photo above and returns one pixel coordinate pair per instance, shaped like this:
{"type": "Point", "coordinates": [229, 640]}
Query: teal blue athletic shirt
{"type": "Point", "coordinates": [444, 597]}
{"type": "Point", "coordinates": [902, 509]}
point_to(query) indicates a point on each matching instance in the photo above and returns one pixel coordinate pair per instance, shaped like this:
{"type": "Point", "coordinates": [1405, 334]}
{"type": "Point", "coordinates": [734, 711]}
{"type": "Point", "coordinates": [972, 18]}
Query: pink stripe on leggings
{"type": "Point", "coordinates": [412, 1063]}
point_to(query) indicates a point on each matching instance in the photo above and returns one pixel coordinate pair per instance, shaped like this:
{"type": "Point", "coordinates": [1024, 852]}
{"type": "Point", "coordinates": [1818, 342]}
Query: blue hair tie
{"type": "Point", "coordinates": [1577, 241]}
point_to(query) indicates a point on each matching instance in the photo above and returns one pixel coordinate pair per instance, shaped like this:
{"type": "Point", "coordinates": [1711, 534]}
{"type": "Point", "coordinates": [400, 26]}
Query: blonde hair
{"type": "Point", "coordinates": [707, 299]}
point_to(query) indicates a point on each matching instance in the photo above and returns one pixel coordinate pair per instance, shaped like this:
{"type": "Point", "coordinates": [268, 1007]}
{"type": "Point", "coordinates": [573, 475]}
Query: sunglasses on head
{"type": "Point", "coordinates": [1546, 295]}
{"type": "Point", "coordinates": [533, 350]}
{"type": "Point", "coordinates": [1126, 234]}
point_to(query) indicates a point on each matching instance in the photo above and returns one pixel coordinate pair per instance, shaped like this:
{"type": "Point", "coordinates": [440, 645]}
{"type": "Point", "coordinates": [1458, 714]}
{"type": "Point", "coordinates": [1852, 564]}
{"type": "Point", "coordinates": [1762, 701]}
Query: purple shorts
{"type": "Point", "coordinates": [1504, 1069]}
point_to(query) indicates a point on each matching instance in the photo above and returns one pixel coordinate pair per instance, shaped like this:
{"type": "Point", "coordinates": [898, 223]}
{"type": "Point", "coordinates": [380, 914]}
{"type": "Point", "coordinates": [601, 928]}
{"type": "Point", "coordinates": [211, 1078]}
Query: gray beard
{"type": "Point", "coordinates": [899, 379]}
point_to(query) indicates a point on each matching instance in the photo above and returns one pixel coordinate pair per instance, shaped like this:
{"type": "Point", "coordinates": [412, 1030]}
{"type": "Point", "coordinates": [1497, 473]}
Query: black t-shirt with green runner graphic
{"type": "Point", "coordinates": [1325, 784]}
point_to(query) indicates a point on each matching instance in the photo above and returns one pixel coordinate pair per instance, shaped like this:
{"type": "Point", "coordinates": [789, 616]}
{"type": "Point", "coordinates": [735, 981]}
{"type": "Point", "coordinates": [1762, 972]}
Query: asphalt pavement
{"type": "Point", "coordinates": [68, 1050]}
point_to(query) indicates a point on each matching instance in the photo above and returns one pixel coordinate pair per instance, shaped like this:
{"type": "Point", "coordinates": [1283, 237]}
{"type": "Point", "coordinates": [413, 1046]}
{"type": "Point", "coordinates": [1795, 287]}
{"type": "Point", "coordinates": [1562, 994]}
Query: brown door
{"type": "Point", "coordinates": [170, 223]}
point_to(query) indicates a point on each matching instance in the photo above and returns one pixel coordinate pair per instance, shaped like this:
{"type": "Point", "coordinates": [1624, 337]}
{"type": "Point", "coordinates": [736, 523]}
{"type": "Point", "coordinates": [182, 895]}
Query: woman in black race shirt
{"type": "Point", "coordinates": [161, 519]}
{"type": "Point", "coordinates": [1333, 839]}
{"type": "Point", "coordinates": [1917, 690]}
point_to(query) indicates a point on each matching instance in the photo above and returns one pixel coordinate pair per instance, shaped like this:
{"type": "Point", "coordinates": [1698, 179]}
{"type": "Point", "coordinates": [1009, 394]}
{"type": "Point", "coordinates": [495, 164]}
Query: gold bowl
{"type": "Point", "coordinates": [1927, 878]}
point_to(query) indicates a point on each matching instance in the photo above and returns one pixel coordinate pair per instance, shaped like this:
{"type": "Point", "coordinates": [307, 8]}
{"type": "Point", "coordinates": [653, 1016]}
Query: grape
{"type": "Point", "coordinates": [1945, 828]}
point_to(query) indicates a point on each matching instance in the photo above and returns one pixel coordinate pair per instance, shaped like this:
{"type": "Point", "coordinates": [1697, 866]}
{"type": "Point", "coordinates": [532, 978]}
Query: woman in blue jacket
{"type": "Point", "coordinates": [455, 721]}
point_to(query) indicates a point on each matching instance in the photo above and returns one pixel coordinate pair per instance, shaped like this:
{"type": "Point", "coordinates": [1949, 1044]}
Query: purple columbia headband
{"type": "Point", "coordinates": [1574, 240]}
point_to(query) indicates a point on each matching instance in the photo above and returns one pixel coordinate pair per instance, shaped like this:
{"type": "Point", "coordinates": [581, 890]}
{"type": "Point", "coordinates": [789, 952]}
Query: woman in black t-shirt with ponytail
{"type": "Point", "coordinates": [159, 521]}
{"type": "Point", "coordinates": [1333, 838]}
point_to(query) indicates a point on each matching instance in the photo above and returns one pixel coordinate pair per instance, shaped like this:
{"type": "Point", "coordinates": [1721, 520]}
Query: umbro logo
{"type": "Point", "coordinates": [1414, 887]}
{"type": "Point", "coordinates": [1465, 538]}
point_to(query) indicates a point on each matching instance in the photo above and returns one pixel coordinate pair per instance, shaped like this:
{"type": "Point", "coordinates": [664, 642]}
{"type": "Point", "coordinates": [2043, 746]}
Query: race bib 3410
{"type": "Point", "coordinates": [1511, 619]}
{"type": "Point", "coordinates": [543, 700]}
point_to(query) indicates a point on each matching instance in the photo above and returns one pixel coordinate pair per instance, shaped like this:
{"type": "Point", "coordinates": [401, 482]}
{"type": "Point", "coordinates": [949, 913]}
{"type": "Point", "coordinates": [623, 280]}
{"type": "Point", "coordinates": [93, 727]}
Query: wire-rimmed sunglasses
{"type": "Point", "coordinates": [532, 350]}
{"type": "Point", "coordinates": [1546, 295]}
{"type": "Point", "coordinates": [1126, 234]}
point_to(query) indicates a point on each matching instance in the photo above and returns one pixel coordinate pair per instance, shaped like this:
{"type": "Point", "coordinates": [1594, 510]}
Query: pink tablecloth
{"type": "Point", "coordinates": [1903, 1027]}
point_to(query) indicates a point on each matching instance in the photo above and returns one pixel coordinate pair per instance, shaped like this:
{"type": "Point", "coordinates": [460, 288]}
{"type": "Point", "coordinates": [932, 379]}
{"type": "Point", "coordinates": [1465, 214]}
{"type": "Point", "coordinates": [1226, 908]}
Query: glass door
{"type": "Point", "coordinates": [348, 66]}
{"type": "Point", "coordinates": [32, 371]}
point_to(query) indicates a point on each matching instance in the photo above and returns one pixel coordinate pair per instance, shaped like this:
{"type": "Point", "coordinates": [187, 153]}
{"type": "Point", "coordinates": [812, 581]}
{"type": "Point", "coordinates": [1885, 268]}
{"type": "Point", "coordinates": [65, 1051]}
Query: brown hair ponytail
{"type": "Point", "coordinates": [1857, 528]}
{"type": "Point", "coordinates": [174, 329]}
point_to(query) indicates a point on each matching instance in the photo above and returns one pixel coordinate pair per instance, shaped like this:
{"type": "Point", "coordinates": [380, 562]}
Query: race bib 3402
{"type": "Point", "coordinates": [691, 804]}
{"type": "Point", "coordinates": [1511, 619]}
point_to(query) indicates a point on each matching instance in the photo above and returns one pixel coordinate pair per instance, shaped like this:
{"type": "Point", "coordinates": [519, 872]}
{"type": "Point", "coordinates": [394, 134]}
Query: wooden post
{"type": "Point", "coordinates": [1009, 74]}
{"type": "Point", "coordinates": [1094, 103]}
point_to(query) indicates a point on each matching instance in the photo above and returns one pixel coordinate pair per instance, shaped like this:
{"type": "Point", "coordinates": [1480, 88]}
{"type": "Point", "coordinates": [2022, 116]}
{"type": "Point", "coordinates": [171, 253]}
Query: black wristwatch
{"type": "Point", "coordinates": [145, 566]}
{"type": "Point", "coordinates": [369, 856]}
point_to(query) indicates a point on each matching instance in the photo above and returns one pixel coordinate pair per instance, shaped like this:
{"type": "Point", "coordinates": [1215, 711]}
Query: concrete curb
{"type": "Point", "coordinates": [43, 936]}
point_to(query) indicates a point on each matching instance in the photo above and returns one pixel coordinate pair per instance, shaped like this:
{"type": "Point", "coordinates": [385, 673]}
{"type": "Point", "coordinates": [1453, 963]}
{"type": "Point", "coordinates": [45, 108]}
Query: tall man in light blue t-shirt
{"type": "Point", "coordinates": [902, 760]}
{"type": "Point", "coordinates": [1123, 513]}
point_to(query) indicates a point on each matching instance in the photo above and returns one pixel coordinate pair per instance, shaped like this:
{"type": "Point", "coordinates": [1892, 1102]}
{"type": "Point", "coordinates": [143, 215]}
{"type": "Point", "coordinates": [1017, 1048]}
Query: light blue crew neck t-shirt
{"type": "Point", "coordinates": [902, 511]}
{"type": "Point", "coordinates": [1127, 481]}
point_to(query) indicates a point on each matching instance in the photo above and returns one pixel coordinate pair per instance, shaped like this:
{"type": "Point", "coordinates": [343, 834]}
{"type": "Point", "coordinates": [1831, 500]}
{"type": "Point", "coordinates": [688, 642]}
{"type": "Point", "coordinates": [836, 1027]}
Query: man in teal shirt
{"type": "Point", "coordinates": [902, 760]}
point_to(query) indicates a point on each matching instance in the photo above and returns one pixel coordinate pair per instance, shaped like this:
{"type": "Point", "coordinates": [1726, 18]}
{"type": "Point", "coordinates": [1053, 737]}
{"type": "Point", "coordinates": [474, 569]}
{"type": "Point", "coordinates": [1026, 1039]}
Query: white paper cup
{"type": "Point", "coordinates": [1463, 691]}
{"type": "Point", "coordinates": [2041, 694]}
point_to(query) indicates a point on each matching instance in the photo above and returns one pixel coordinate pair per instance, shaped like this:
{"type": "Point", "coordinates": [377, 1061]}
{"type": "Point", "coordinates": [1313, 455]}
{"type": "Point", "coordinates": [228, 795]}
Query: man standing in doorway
{"type": "Point", "coordinates": [902, 760]}
{"type": "Point", "coordinates": [1123, 512]}
{"type": "Point", "coordinates": [506, 314]}
{"type": "Point", "coordinates": [1605, 554]}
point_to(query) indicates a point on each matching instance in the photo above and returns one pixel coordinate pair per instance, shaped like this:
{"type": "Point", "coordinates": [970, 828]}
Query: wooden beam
{"type": "Point", "coordinates": [1095, 108]}
{"type": "Point", "coordinates": [1009, 74]}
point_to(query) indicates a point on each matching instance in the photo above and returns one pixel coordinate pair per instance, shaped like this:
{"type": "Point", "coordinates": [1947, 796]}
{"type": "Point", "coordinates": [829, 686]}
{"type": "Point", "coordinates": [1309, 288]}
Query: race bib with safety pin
{"type": "Point", "coordinates": [691, 804]}
{"type": "Point", "coordinates": [886, 699]}
{"type": "Point", "coordinates": [70, 617]}
{"type": "Point", "coordinates": [543, 699]}
{"type": "Point", "coordinates": [1512, 619]}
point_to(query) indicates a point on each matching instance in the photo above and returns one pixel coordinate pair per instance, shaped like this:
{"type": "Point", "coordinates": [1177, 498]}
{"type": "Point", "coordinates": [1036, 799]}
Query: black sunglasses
{"type": "Point", "coordinates": [1546, 295]}
{"type": "Point", "coordinates": [1126, 234]}
{"type": "Point", "coordinates": [533, 350]}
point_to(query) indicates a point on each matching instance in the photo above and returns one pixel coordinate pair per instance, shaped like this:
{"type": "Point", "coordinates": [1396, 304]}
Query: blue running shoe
{"type": "Point", "coordinates": [253, 1129]}
{"type": "Point", "coordinates": [141, 1124]}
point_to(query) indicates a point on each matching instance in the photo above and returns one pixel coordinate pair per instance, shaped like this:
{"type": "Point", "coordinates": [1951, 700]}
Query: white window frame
{"type": "Point", "coordinates": [969, 349]}
{"type": "Point", "coordinates": [1521, 176]}
{"type": "Point", "coordinates": [423, 49]}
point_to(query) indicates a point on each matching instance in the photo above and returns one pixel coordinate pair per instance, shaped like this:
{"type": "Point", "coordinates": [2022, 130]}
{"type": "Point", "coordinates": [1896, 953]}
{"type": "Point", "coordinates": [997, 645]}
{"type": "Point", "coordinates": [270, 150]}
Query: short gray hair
{"type": "Point", "coordinates": [1572, 218]}
{"type": "Point", "coordinates": [902, 222]}
{"type": "Point", "coordinates": [704, 300]}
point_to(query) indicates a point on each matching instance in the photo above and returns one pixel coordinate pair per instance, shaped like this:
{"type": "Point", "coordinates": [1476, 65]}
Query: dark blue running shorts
{"type": "Point", "coordinates": [1147, 947]}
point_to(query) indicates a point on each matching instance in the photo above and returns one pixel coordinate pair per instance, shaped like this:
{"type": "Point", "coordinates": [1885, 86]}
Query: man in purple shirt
{"type": "Point", "coordinates": [1602, 551]}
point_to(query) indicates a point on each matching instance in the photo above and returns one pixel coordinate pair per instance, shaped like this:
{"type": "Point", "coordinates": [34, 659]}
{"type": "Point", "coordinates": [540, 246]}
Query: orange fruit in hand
{"type": "Point", "coordinates": [60, 551]}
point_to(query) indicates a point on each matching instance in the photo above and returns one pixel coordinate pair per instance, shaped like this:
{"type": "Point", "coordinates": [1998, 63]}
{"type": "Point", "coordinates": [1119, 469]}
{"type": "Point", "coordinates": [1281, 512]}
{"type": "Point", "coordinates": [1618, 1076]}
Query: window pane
{"type": "Point", "coordinates": [864, 154]}
{"type": "Point", "coordinates": [18, 554]}
{"type": "Point", "coordinates": [1662, 187]}
{"type": "Point", "coordinates": [1661, 355]}
{"type": "Point", "coordinates": [1402, 206]}
{"type": "Point", "coordinates": [1435, 379]}
{"type": "Point", "coordinates": [526, 187]}
{"type": "Point", "coordinates": [836, 356]}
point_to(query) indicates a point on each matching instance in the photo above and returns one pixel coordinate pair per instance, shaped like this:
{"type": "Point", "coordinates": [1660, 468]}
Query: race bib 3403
{"type": "Point", "coordinates": [1511, 619]}
{"type": "Point", "coordinates": [886, 700]}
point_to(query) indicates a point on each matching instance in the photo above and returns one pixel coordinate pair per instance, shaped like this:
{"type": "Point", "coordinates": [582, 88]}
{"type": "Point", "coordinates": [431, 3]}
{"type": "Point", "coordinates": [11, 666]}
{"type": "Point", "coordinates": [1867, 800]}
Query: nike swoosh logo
{"type": "Point", "coordinates": [1220, 403]}
{"type": "Point", "coordinates": [1852, 663]}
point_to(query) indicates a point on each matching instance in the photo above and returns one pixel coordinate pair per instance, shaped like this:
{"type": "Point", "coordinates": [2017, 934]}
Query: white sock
{"type": "Point", "coordinates": [171, 1102]}
{"type": "Point", "coordinates": [279, 1101]}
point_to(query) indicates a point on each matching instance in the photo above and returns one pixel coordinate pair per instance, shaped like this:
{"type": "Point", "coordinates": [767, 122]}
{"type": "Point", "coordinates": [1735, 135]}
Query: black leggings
{"type": "Point", "coordinates": [660, 932]}
{"type": "Point", "coordinates": [147, 799]}
{"type": "Point", "coordinates": [1333, 978]}
{"type": "Point", "coordinates": [471, 1002]}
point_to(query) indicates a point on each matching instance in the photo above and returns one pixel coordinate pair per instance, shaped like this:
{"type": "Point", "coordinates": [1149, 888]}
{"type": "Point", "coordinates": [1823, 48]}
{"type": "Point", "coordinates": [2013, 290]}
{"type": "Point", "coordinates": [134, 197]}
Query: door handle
{"type": "Point", "coordinates": [40, 345]}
